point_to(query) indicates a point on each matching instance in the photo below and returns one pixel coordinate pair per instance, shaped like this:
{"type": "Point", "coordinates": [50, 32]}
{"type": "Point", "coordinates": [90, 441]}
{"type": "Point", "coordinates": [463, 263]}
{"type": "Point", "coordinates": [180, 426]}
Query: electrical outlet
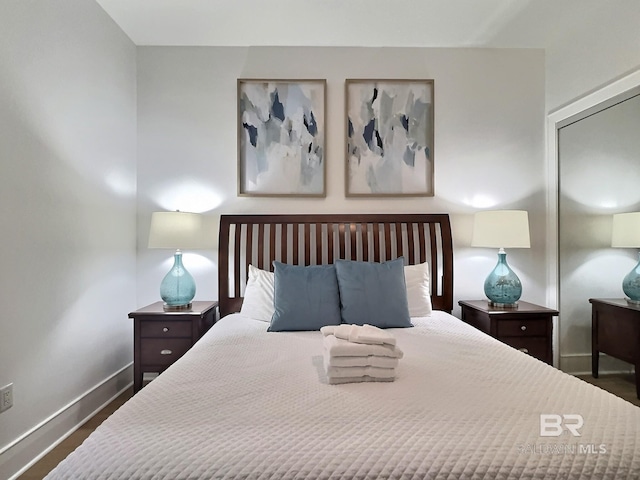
{"type": "Point", "coordinates": [6, 397]}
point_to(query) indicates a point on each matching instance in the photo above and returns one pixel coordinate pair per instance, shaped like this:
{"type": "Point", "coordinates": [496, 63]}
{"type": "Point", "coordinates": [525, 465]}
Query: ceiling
{"type": "Point", "coordinates": [391, 23]}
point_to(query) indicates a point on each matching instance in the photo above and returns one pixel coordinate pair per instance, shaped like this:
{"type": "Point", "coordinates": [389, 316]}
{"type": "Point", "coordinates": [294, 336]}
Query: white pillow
{"type": "Point", "coordinates": [418, 295]}
{"type": "Point", "coordinates": [258, 295]}
{"type": "Point", "coordinates": [259, 292]}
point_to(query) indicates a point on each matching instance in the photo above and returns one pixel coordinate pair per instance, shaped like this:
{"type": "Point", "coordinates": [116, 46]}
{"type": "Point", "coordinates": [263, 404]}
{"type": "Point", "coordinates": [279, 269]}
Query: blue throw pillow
{"type": "Point", "coordinates": [373, 293]}
{"type": "Point", "coordinates": [305, 298]}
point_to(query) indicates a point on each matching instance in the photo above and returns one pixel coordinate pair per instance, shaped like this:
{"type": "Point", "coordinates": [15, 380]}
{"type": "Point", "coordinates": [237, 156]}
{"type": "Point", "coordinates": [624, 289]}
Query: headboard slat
{"type": "Point", "coordinates": [353, 234]}
{"type": "Point", "coordinates": [307, 244]}
{"type": "Point", "coordinates": [236, 255]}
{"type": "Point", "coordinates": [411, 244]}
{"type": "Point", "coordinates": [284, 243]}
{"type": "Point", "coordinates": [387, 241]}
{"type": "Point", "coordinates": [365, 242]}
{"type": "Point", "coordinates": [260, 245]}
{"type": "Point", "coordinates": [272, 244]}
{"type": "Point", "coordinates": [263, 232]}
{"type": "Point", "coordinates": [434, 248]}
{"type": "Point", "coordinates": [296, 244]}
{"type": "Point", "coordinates": [248, 256]}
{"type": "Point", "coordinates": [319, 242]}
{"type": "Point", "coordinates": [330, 246]}
{"type": "Point", "coordinates": [341, 236]}
{"type": "Point", "coordinates": [376, 242]}
{"type": "Point", "coordinates": [399, 246]}
{"type": "Point", "coordinates": [422, 244]}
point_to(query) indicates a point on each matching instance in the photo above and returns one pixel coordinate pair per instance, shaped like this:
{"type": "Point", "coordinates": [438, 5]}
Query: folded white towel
{"type": "Point", "coordinates": [349, 372]}
{"type": "Point", "coordinates": [342, 380]}
{"type": "Point", "coordinates": [342, 331]}
{"type": "Point", "coordinates": [367, 334]}
{"type": "Point", "coordinates": [370, 334]}
{"type": "Point", "coordinates": [338, 347]}
{"type": "Point", "coordinates": [364, 361]}
{"type": "Point", "coordinates": [327, 330]}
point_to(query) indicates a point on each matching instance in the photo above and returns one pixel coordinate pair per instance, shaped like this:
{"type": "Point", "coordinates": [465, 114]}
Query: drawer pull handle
{"type": "Point", "coordinates": [165, 352]}
{"type": "Point", "coordinates": [165, 329]}
{"type": "Point", "coordinates": [523, 328]}
{"type": "Point", "coordinates": [524, 350]}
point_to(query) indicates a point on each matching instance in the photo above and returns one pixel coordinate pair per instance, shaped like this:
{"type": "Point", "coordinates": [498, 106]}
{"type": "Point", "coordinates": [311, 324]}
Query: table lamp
{"type": "Point", "coordinates": [626, 234]}
{"type": "Point", "coordinates": [502, 229]}
{"type": "Point", "coordinates": [177, 230]}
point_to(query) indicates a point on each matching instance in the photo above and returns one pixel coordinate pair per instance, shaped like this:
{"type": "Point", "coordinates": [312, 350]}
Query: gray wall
{"type": "Point", "coordinates": [601, 45]}
{"type": "Point", "coordinates": [67, 196]}
{"type": "Point", "coordinates": [489, 144]}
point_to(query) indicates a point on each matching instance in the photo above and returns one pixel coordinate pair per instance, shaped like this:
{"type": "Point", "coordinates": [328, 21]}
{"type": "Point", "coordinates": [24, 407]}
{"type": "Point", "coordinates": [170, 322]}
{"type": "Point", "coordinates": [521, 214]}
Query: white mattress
{"type": "Point", "coordinates": [244, 403]}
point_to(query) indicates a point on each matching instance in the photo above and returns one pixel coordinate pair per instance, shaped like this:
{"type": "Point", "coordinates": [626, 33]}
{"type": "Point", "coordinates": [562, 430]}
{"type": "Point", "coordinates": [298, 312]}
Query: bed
{"type": "Point", "coordinates": [245, 403]}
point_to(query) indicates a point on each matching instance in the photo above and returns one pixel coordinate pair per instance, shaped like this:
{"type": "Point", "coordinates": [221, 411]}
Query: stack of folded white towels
{"type": "Point", "coordinates": [359, 353]}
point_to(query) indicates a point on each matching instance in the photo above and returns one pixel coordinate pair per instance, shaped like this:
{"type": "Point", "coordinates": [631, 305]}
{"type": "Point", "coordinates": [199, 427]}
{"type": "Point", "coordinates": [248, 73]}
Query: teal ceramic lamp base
{"type": "Point", "coordinates": [631, 285]}
{"type": "Point", "coordinates": [502, 287]}
{"type": "Point", "coordinates": [178, 287]}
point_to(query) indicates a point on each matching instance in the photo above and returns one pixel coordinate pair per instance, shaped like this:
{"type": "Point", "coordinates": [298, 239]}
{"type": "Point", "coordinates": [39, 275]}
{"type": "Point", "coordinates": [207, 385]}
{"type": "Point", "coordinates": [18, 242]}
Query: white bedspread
{"type": "Point", "coordinates": [247, 404]}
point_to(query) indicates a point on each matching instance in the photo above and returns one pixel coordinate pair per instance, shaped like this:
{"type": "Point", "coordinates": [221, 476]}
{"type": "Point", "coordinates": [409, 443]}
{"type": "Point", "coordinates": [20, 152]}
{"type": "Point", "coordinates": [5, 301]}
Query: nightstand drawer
{"type": "Point", "coordinates": [151, 329]}
{"type": "Point", "coordinates": [534, 346]}
{"type": "Point", "coordinates": [522, 328]}
{"type": "Point", "coordinates": [162, 337]}
{"type": "Point", "coordinates": [163, 352]}
{"type": "Point", "coordinates": [527, 328]}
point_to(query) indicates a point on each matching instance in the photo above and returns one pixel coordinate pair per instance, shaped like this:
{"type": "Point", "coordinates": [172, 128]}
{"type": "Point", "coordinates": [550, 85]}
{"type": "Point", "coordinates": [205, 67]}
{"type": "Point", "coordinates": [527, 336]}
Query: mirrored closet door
{"type": "Point", "coordinates": [599, 175]}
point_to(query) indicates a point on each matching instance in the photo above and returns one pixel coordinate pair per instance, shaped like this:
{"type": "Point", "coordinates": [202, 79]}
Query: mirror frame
{"type": "Point", "coordinates": [557, 119]}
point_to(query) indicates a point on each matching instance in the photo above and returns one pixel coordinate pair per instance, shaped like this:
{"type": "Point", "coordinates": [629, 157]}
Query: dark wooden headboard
{"type": "Point", "coordinates": [319, 239]}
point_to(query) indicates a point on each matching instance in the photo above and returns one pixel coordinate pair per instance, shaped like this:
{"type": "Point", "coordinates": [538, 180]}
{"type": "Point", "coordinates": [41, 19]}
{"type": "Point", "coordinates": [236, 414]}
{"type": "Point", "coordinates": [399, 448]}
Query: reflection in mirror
{"type": "Point", "coordinates": [599, 175]}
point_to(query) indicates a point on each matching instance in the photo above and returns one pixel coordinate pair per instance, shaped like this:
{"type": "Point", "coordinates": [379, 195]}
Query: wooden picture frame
{"type": "Point", "coordinates": [389, 138]}
{"type": "Point", "coordinates": [281, 138]}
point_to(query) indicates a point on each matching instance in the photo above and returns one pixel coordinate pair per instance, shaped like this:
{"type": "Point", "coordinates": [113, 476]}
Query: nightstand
{"type": "Point", "coordinates": [615, 330]}
{"type": "Point", "coordinates": [160, 338]}
{"type": "Point", "coordinates": [527, 327]}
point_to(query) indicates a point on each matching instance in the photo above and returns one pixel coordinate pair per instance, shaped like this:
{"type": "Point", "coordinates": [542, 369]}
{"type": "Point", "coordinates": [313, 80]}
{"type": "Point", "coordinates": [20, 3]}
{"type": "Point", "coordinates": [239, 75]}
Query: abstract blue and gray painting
{"type": "Point", "coordinates": [282, 137]}
{"type": "Point", "coordinates": [388, 140]}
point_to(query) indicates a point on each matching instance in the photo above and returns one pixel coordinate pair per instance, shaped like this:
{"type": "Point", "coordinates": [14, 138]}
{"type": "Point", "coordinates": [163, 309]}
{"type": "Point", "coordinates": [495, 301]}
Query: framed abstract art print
{"type": "Point", "coordinates": [389, 138]}
{"type": "Point", "coordinates": [281, 138]}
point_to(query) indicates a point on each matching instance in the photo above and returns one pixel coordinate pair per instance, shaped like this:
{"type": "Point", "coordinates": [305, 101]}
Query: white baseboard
{"type": "Point", "coordinates": [580, 364]}
{"type": "Point", "coordinates": [26, 450]}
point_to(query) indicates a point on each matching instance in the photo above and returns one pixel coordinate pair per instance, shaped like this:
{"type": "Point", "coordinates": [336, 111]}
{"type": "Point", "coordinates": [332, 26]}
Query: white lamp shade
{"type": "Point", "coordinates": [501, 229]}
{"type": "Point", "coordinates": [626, 230]}
{"type": "Point", "coordinates": [178, 230]}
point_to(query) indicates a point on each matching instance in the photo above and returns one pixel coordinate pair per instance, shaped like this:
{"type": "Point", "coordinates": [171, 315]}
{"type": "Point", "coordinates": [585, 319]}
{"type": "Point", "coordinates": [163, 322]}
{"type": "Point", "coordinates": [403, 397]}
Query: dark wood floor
{"type": "Point", "coordinates": [620, 385]}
